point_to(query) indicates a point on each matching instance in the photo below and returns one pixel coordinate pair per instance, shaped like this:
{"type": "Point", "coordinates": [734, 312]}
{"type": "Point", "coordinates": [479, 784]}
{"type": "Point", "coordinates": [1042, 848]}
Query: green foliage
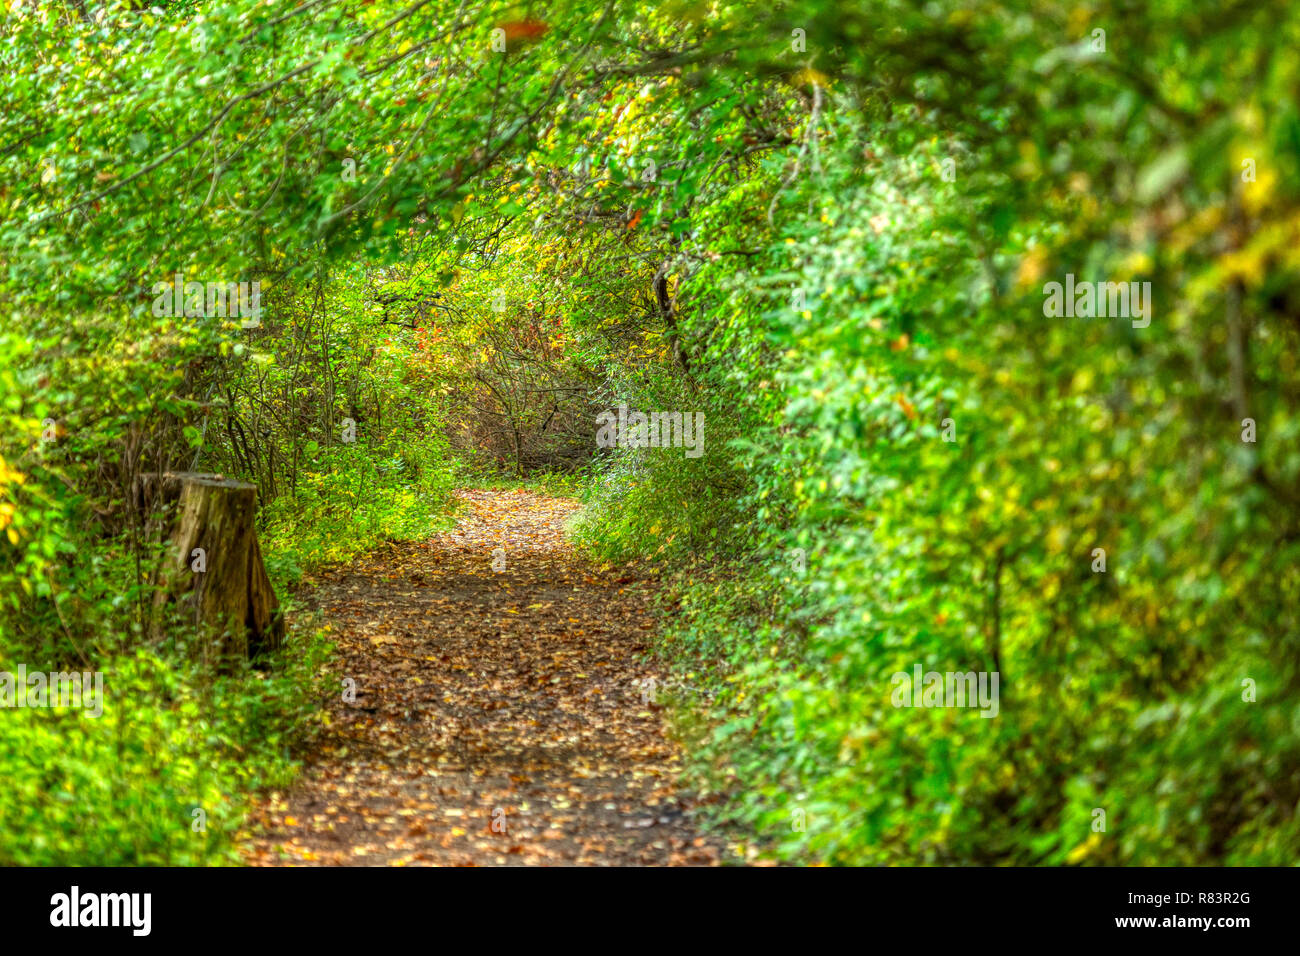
{"type": "Point", "coordinates": [923, 304]}
{"type": "Point", "coordinates": [660, 503]}
{"type": "Point", "coordinates": [121, 789]}
{"type": "Point", "coordinates": [351, 508]}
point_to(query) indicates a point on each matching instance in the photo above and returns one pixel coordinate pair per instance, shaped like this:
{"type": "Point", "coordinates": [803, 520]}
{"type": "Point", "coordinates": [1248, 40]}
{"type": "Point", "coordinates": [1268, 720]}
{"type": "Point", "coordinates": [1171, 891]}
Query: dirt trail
{"type": "Point", "coordinates": [498, 719]}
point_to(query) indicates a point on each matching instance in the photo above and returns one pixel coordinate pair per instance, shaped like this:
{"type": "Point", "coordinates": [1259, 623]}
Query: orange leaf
{"type": "Point", "coordinates": [524, 29]}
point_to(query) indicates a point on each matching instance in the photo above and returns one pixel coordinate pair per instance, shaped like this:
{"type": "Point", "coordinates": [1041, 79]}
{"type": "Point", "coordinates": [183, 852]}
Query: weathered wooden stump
{"type": "Point", "coordinates": [213, 569]}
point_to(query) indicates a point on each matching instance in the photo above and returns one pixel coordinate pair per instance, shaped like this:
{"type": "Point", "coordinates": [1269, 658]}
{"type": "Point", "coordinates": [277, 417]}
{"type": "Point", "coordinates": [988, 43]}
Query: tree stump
{"type": "Point", "coordinates": [213, 570]}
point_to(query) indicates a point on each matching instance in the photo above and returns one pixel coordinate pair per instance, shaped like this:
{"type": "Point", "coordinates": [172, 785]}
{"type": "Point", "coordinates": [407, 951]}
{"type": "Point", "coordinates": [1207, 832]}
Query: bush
{"type": "Point", "coordinates": [121, 789]}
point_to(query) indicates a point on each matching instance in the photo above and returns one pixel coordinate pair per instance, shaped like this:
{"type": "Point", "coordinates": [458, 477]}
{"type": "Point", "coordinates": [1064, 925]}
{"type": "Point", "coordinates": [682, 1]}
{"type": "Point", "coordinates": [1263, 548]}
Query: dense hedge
{"type": "Point", "coordinates": [860, 543]}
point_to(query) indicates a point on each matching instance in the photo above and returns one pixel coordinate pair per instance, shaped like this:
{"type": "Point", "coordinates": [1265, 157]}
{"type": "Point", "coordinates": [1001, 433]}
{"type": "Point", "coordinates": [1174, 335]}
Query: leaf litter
{"type": "Point", "coordinates": [498, 715]}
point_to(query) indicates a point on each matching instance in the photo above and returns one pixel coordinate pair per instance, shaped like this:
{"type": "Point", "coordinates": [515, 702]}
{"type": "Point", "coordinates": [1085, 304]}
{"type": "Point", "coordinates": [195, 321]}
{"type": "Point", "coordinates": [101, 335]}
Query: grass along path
{"type": "Point", "coordinates": [498, 717]}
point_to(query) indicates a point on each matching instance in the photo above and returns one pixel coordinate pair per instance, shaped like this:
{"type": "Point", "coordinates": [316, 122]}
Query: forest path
{"type": "Point", "coordinates": [498, 717]}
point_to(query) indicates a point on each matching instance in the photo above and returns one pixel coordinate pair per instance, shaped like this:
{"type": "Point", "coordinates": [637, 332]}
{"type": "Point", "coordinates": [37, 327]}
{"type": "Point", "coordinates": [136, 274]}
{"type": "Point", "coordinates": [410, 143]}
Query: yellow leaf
{"type": "Point", "coordinates": [808, 77]}
{"type": "Point", "coordinates": [1084, 848]}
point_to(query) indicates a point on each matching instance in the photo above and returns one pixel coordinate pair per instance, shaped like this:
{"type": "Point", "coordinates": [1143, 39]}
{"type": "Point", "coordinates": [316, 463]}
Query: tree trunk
{"type": "Point", "coordinates": [213, 571]}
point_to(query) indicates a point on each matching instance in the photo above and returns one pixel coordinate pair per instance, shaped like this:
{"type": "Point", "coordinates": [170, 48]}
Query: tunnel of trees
{"type": "Point", "coordinates": [354, 254]}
